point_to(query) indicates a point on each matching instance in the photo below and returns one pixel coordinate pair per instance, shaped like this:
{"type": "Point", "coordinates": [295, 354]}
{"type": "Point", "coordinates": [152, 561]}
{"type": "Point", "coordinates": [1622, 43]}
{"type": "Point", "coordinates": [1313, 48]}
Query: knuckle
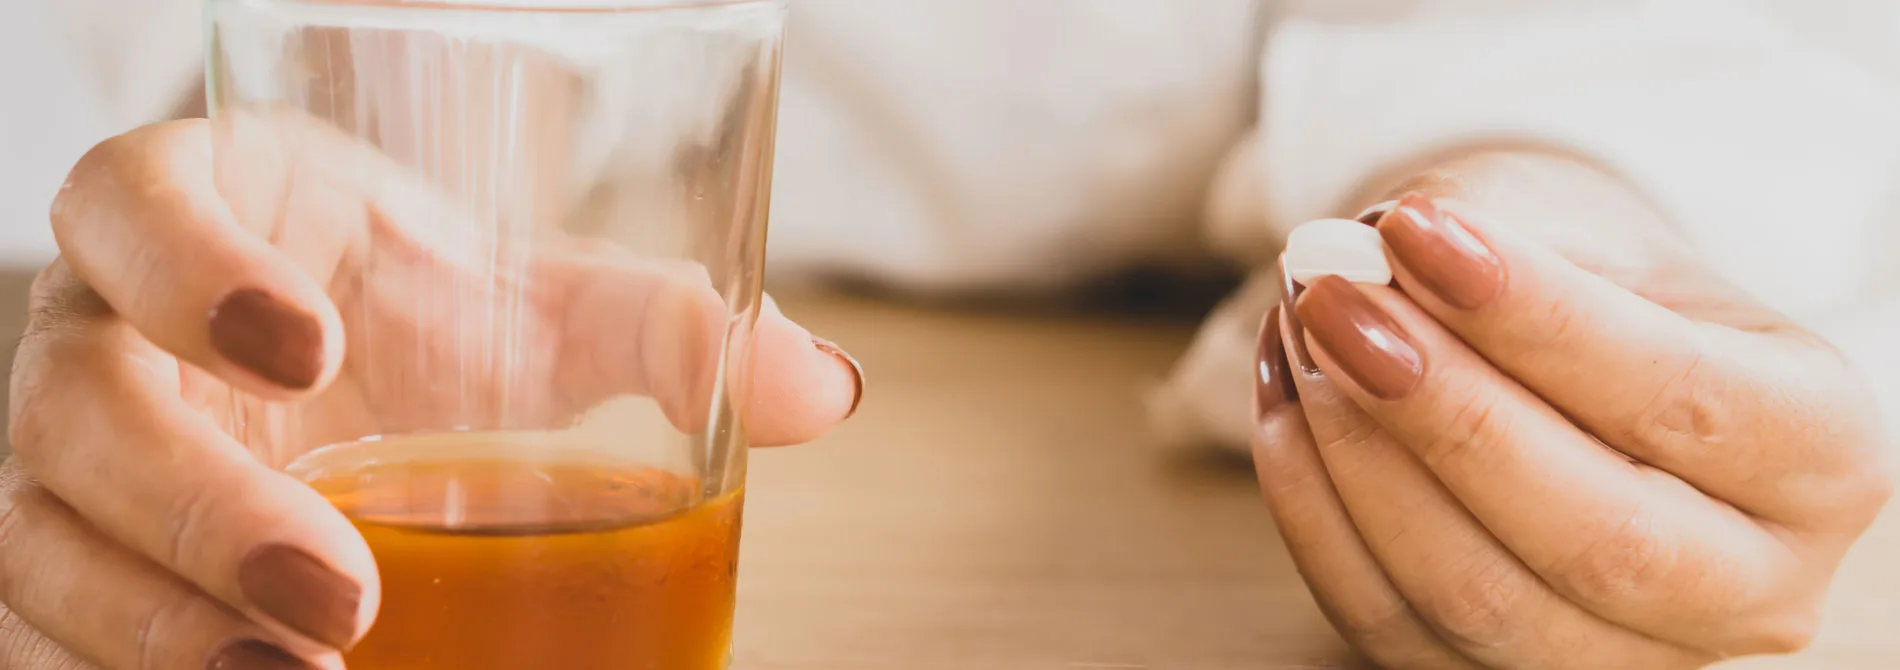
{"type": "Point", "coordinates": [1372, 625]}
{"type": "Point", "coordinates": [14, 480]}
{"type": "Point", "coordinates": [1344, 430]}
{"type": "Point", "coordinates": [1289, 486]}
{"type": "Point", "coordinates": [1476, 423]}
{"type": "Point", "coordinates": [100, 163]}
{"type": "Point", "coordinates": [1558, 323]}
{"type": "Point", "coordinates": [27, 422]}
{"type": "Point", "coordinates": [59, 299]}
{"type": "Point", "coordinates": [10, 542]}
{"type": "Point", "coordinates": [48, 382]}
{"type": "Point", "coordinates": [1476, 610]}
{"type": "Point", "coordinates": [106, 168]}
{"type": "Point", "coordinates": [139, 153]}
{"type": "Point", "coordinates": [188, 520]}
{"type": "Point", "coordinates": [125, 175]}
{"type": "Point", "coordinates": [33, 402]}
{"type": "Point", "coordinates": [16, 638]}
{"type": "Point", "coordinates": [1388, 632]}
{"type": "Point", "coordinates": [24, 648]}
{"type": "Point", "coordinates": [25, 380]}
{"type": "Point", "coordinates": [161, 627]}
{"type": "Point", "coordinates": [1687, 416]}
{"type": "Point", "coordinates": [23, 564]}
{"type": "Point", "coordinates": [1617, 562]}
{"type": "Point", "coordinates": [51, 281]}
{"type": "Point", "coordinates": [1283, 479]}
{"type": "Point", "coordinates": [17, 491]}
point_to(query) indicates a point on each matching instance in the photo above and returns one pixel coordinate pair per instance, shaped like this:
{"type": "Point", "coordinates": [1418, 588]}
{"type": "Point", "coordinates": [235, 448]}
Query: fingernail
{"type": "Point", "coordinates": [1367, 343]}
{"type": "Point", "coordinates": [1442, 253]}
{"type": "Point", "coordinates": [1273, 381]}
{"type": "Point", "coordinates": [857, 371]}
{"type": "Point", "coordinates": [269, 337]}
{"type": "Point", "coordinates": [302, 592]}
{"type": "Point", "coordinates": [254, 655]}
{"type": "Point", "coordinates": [1295, 335]}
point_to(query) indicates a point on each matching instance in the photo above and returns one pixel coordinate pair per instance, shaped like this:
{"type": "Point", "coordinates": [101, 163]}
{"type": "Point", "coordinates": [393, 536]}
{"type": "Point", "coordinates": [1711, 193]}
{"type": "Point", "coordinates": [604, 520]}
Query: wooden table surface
{"type": "Point", "coordinates": [996, 506]}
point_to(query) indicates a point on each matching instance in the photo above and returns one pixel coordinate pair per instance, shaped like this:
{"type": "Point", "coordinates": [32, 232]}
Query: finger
{"type": "Point", "coordinates": [789, 385]}
{"type": "Point", "coordinates": [802, 384]}
{"type": "Point", "coordinates": [1626, 541]}
{"type": "Point", "coordinates": [255, 314]}
{"type": "Point", "coordinates": [1728, 405]}
{"type": "Point", "coordinates": [1350, 587]}
{"type": "Point", "coordinates": [81, 600]}
{"type": "Point", "coordinates": [141, 221]}
{"type": "Point", "coordinates": [22, 648]}
{"type": "Point", "coordinates": [1465, 584]}
{"type": "Point", "coordinates": [189, 498]}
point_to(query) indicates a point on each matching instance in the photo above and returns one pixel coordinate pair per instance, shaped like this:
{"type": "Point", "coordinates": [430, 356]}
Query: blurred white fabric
{"type": "Point", "coordinates": [74, 72]}
{"type": "Point", "coordinates": [1766, 129]}
{"type": "Point", "coordinates": [942, 146]}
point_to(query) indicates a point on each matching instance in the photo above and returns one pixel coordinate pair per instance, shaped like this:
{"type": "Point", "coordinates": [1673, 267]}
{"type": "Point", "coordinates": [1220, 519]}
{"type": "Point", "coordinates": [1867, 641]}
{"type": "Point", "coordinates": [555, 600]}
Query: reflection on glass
{"type": "Point", "coordinates": [542, 223]}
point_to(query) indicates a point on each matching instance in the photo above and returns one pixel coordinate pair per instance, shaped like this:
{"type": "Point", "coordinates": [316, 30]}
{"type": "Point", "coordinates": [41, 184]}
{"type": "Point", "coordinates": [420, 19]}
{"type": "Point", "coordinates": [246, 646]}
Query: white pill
{"type": "Point", "coordinates": [1341, 247]}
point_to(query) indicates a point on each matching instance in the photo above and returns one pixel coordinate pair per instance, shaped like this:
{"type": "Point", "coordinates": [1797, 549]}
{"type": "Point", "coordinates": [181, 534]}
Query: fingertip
{"type": "Point", "coordinates": [314, 573]}
{"type": "Point", "coordinates": [851, 364]}
{"type": "Point", "coordinates": [802, 386]}
{"type": "Point", "coordinates": [303, 591]}
{"type": "Point", "coordinates": [142, 222]}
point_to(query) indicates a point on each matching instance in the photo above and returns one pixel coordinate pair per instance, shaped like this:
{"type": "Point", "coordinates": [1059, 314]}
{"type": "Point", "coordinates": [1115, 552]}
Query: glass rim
{"type": "Point", "coordinates": [574, 6]}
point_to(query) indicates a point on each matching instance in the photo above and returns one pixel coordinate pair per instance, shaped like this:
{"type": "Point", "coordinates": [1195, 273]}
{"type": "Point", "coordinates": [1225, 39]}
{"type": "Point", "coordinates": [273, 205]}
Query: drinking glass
{"type": "Point", "coordinates": [543, 225]}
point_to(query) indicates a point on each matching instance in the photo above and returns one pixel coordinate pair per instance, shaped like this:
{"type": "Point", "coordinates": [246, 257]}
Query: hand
{"type": "Point", "coordinates": [1514, 462]}
{"type": "Point", "coordinates": [135, 532]}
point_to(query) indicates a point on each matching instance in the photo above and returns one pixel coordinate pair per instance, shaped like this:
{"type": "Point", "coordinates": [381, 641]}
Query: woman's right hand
{"type": "Point", "coordinates": [135, 532]}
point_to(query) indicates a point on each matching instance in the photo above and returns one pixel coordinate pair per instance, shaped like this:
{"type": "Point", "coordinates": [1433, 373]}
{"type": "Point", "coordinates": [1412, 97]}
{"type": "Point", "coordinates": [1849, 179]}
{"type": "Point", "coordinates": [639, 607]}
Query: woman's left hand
{"type": "Point", "coordinates": [1513, 462]}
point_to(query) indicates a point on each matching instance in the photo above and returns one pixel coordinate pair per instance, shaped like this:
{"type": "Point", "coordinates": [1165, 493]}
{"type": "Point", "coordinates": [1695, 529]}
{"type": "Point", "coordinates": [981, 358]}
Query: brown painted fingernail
{"type": "Point", "coordinates": [269, 337]}
{"type": "Point", "coordinates": [254, 655]}
{"type": "Point", "coordinates": [857, 371]}
{"type": "Point", "coordinates": [303, 592]}
{"type": "Point", "coordinates": [1442, 253]}
{"type": "Point", "coordinates": [1273, 380]}
{"type": "Point", "coordinates": [1295, 335]}
{"type": "Point", "coordinates": [1367, 344]}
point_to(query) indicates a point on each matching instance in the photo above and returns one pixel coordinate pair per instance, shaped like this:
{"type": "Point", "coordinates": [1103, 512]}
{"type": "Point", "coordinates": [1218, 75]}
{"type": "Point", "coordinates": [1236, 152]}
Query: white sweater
{"type": "Point", "coordinates": [944, 146]}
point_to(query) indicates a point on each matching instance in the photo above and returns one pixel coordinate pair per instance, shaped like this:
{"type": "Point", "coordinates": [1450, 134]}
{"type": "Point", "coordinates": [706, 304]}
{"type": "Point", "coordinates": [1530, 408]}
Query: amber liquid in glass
{"type": "Point", "coordinates": [505, 558]}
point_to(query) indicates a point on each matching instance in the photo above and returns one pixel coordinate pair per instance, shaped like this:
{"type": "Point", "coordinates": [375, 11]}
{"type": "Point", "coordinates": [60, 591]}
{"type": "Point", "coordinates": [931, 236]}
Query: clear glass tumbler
{"type": "Point", "coordinates": [542, 223]}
